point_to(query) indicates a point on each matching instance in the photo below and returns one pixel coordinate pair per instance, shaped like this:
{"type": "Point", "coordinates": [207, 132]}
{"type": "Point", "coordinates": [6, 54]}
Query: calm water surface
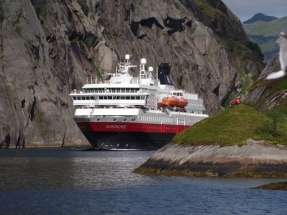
{"type": "Point", "coordinates": [70, 181]}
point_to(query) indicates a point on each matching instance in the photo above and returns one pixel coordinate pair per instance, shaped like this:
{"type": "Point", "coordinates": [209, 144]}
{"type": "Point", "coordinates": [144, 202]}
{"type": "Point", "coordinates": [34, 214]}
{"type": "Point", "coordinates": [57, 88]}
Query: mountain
{"type": "Point", "coordinates": [260, 17]}
{"type": "Point", "coordinates": [265, 35]}
{"type": "Point", "coordinates": [49, 48]}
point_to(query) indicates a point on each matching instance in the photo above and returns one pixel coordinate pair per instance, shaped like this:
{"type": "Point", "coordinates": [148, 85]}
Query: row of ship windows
{"type": "Point", "coordinates": [156, 119]}
{"type": "Point", "coordinates": [111, 90]}
{"type": "Point", "coordinates": [109, 97]}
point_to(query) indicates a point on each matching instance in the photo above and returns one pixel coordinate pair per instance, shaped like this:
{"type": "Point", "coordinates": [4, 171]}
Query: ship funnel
{"type": "Point", "coordinates": [127, 56]}
{"type": "Point", "coordinates": [163, 74]}
{"type": "Point", "coordinates": [143, 61]}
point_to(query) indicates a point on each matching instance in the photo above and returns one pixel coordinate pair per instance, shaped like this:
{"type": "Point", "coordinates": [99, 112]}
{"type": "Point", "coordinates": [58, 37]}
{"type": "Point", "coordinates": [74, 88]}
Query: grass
{"type": "Point", "coordinates": [271, 85]}
{"type": "Point", "coordinates": [232, 126]}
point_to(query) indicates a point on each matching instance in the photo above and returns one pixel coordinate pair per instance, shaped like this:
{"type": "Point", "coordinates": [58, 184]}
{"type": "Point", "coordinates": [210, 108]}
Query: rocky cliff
{"type": "Point", "coordinates": [266, 94]}
{"type": "Point", "coordinates": [48, 48]}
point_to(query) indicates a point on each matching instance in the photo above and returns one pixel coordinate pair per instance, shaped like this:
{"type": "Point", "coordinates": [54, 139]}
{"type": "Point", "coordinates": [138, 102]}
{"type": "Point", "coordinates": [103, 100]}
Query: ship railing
{"type": "Point", "coordinates": [134, 81]}
{"type": "Point", "coordinates": [76, 92]}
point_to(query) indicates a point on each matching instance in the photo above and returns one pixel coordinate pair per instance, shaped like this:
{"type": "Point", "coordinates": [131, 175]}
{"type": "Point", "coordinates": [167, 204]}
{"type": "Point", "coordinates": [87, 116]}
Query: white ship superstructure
{"type": "Point", "coordinates": [140, 112]}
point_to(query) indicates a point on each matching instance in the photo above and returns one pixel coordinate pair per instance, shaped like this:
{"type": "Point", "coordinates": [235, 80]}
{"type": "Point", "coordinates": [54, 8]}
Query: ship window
{"type": "Point", "coordinates": [109, 97]}
{"type": "Point", "coordinates": [105, 97]}
{"type": "Point", "coordinates": [83, 98]}
{"type": "Point", "coordinates": [132, 98]}
{"type": "Point", "coordinates": [128, 98]}
{"type": "Point", "coordinates": [100, 97]}
{"type": "Point", "coordinates": [122, 97]}
{"type": "Point", "coordinates": [137, 97]}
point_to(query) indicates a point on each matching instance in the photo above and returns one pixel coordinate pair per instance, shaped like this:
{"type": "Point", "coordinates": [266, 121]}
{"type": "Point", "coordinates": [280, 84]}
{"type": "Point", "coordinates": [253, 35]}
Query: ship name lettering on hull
{"type": "Point", "coordinates": [116, 126]}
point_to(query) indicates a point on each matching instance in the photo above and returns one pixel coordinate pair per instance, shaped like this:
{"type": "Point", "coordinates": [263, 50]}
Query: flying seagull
{"type": "Point", "coordinates": [282, 41]}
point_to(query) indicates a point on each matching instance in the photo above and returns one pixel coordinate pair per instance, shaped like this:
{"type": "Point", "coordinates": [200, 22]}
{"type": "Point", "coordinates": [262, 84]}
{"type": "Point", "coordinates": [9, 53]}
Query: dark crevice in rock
{"type": "Point", "coordinates": [176, 25]}
{"type": "Point", "coordinates": [23, 103]}
{"type": "Point", "coordinates": [128, 12]}
{"type": "Point", "coordinates": [75, 36]}
{"type": "Point", "coordinates": [135, 26]}
{"type": "Point", "coordinates": [35, 51]}
{"type": "Point", "coordinates": [100, 7]}
{"type": "Point", "coordinates": [189, 23]}
{"type": "Point", "coordinates": [216, 90]}
{"type": "Point", "coordinates": [150, 22]}
{"type": "Point", "coordinates": [18, 140]}
{"type": "Point", "coordinates": [84, 7]}
{"type": "Point", "coordinates": [32, 111]}
{"type": "Point", "coordinates": [63, 141]}
{"type": "Point", "coordinates": [127, 15]}
{"type": "Point", "coordinates": [90, 39]}
{"type": "Point", "coordinates": [7, 140]}
{"type": "Point", "coordinates": [50, 39]}
{"type": "Point", "coordinates": [23, 142]}
{"type": "Point", "coordinates": [180, 80]}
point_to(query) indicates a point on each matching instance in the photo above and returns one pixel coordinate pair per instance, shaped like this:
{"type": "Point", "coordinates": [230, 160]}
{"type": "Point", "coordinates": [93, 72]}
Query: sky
{"type": "Point", "coordinates": [246, 9]}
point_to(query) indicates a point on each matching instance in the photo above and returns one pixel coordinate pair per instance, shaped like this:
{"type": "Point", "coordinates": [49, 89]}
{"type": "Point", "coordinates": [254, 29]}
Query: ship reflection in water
{"type": "Point", "coordinates": [70, 181]}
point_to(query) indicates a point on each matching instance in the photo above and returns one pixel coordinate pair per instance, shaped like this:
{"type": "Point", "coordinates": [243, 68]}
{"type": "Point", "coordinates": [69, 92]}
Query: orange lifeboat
{"type": "Point", "coordinates": [182, 102]}
{"type": "Point", "coordinates": [161, 104]}
{"type": "Point", "coordinates": [170, 101]}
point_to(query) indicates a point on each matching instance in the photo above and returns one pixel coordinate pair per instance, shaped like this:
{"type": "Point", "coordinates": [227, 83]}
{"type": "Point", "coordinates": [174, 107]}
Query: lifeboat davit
{"type": "Point", "coordinates": [182, 102]}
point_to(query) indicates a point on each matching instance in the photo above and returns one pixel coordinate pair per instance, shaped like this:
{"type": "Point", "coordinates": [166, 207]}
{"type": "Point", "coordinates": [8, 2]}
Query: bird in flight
{"type": "Point", "coordinates": [282, 41]}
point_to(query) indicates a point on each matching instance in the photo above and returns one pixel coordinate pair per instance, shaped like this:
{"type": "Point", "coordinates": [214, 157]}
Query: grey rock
{"type": "Point", "coordinates": [49, 48]}
{"type": "Point", "coordinates": [212, 160]}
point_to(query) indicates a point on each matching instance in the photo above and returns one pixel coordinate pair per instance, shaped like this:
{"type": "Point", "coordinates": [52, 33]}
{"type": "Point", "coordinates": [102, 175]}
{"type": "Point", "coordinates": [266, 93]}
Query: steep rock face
{"type": "Point", "coordinates": [38, 69]}
{"type": "Point", "coordinates": [49, 48]}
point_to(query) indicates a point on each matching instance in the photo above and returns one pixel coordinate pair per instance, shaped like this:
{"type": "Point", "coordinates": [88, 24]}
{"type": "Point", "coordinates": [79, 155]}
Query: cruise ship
{"type": "Point", "coordinates": [134, 112]}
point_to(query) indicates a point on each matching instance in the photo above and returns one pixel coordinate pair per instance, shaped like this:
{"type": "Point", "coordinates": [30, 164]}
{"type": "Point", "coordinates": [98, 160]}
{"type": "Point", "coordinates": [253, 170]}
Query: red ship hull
{"type": "Point", "coordinates": [125, 135]}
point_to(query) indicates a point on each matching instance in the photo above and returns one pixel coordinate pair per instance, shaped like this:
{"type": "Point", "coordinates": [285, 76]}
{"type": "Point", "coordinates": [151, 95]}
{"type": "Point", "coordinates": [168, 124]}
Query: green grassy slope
{"type": "Point", "coordinates": [232, 126]}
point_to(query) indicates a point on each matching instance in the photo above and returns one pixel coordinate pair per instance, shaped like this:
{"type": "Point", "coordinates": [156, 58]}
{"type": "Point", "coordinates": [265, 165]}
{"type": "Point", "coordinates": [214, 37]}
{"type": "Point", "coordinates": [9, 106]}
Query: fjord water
{"type": "Point", "coordinates": [71, 181]}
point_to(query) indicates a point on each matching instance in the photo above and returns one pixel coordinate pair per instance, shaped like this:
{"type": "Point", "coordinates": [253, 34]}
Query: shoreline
{"type": "Point", "coordinates": [254, 159]}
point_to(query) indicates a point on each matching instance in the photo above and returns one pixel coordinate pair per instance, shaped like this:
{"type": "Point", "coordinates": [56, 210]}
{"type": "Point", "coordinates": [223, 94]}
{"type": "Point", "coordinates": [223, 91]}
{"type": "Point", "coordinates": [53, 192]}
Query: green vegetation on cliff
{"type": "Point", "coordinates": [235, 125]}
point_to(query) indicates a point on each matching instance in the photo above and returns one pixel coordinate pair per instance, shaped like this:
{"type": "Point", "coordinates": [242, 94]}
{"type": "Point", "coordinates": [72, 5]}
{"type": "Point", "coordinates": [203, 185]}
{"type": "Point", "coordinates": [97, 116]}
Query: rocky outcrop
{"type": "Point", "coordinates": [267, 94]}
{"type": "Point", "coordinates": [48, 48]}
{"type": "Point", "coordinates": [253, 159]}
